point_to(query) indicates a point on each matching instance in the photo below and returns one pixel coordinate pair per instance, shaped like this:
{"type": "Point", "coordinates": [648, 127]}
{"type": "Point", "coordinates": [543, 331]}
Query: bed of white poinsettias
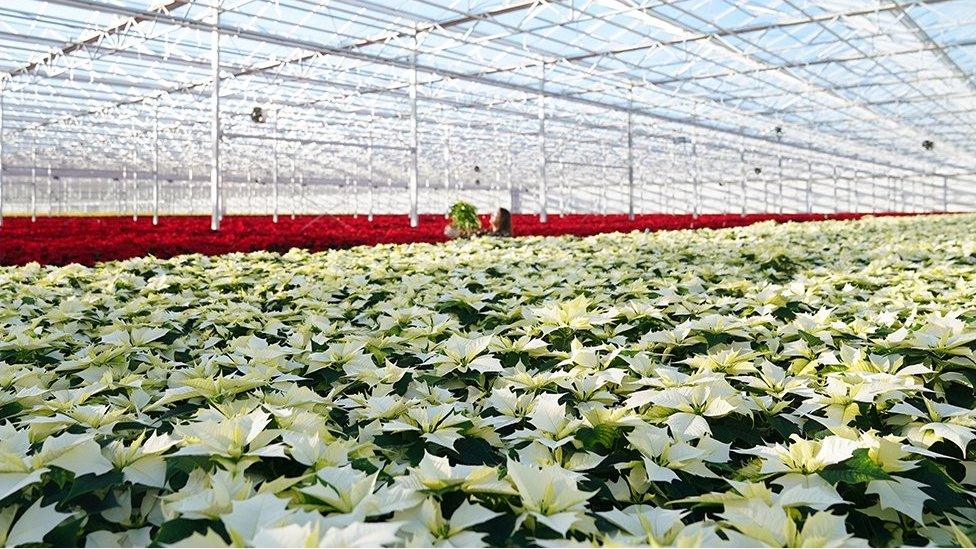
{"type": "Point", "coordinates": [779, 385]}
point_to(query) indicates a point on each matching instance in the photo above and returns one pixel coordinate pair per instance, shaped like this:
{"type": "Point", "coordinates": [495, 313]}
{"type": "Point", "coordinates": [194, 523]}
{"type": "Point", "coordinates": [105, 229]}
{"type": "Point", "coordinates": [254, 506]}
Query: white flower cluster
{"type": "Point", "coordinates": [774, 385]}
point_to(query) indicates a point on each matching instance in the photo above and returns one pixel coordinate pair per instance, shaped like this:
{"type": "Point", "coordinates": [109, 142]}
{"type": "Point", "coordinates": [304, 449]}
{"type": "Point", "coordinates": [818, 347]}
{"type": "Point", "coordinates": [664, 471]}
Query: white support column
{"type": "Point", "coordinates": [447, 174]}
{"type": "Point", "coordinates": [543, 181]}
{"type": "Point", "coordinates": [274, 169]}
{"type": "Point", "coordinates": [809, 197]}
{"type": "Point", "coordinates": [355, 195]}
{"type": "Point", "coordinates": [742, 182]}
{"type": "Point", "coordinates": [215, 121]}
{"type": "Point", "coordinates": [605, 177]}
{"type": "Point", "coordinates": [779, 175]}
{"type": "Point", "coordinates": [33, 180]}
{"type": "Point", "coordinates": [836, 200]}
{"type": "Point", "coordinates": [891, 193]}
{"type": "Point", "coordinates": [2, 85]}
{"type": "Point", "coordinates": [945, 194]}
{"type": "Point", "coordinates": [695, 190]}
{"type": "Point", "coordinates": [369, 173]}
{"type": "Point", "coordinates": [874, 192]}
{"type": "Point", "coordinates": [119, 189]}
{"type": "Point", "coordinates": [135, 189]}
{"type": "Point", "coordinates": [155, 164]}
{"type": "Point", "coordinates": [512, 203]}
{"type": "Point", "coordinates": [294, 169]}
{"type": "Point", "coordinates": [301, 188]}
{"type": "Point", "coordinates": [414, 139]}
{"type": "Point", "coordinates": [630, 156]}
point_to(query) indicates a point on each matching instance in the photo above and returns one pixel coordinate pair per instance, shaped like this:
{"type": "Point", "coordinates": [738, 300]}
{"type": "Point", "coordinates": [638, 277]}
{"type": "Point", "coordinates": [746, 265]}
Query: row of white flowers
{"type": "Point", "coordinates": [775, 385]}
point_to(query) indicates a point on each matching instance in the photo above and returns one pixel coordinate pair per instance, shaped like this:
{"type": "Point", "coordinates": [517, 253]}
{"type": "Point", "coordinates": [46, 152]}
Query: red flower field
{"type": "Point", "coordinates": [86, 240]}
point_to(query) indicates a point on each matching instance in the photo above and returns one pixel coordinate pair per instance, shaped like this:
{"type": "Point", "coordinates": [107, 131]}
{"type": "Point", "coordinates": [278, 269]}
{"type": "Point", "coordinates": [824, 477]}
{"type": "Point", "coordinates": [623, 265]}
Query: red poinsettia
{"type": "Point", "coordinates": [86, 240]}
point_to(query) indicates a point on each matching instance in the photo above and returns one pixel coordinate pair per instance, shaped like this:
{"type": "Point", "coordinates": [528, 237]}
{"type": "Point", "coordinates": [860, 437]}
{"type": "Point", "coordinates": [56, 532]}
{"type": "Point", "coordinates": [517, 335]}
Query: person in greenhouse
{"type": "Point", "coordinates": [465, 222]}
{"type": "Point", "coordinates": [500, 223]}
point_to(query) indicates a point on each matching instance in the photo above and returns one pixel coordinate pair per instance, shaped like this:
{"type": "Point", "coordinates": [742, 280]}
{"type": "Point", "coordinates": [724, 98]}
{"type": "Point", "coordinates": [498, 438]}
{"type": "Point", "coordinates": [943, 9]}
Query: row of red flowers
{"type": "Point", "coordinates": [86, 240]}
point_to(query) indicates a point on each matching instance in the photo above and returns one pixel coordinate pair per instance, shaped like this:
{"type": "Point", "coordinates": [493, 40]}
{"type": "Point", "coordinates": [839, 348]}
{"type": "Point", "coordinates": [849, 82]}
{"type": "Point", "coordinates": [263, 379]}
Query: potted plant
{"type": "Point", "coordinates": [464, 219]}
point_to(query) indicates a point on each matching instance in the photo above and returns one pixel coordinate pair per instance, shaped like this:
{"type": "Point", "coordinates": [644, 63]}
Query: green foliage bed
{"type": "Point", "coordinates": [779, 385]}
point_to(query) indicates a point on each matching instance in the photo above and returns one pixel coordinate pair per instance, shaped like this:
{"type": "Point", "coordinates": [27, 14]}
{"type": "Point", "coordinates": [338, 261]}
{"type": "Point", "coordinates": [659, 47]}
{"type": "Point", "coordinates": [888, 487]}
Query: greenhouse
{"type": "Point", "coordinates": [463, 273]}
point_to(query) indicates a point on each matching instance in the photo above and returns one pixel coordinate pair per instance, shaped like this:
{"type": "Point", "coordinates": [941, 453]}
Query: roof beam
{"type": "Point", "coordinates": [939, 51]}
{"type": "Point", "coordinates": [349, 52]}
{"type": "Point", "coordinates": [97, 36]}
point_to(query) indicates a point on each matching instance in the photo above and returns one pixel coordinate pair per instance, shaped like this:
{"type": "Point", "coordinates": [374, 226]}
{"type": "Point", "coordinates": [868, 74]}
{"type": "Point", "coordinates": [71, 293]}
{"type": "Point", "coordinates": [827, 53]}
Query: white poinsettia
{"type": "Point", "coordinates": [30, 526]}
{"type": "Point", "coordinates": [141, 461]}
{"type": "Point", "coordinates": [463, 354]}
{"type": "Point", "coordinates": [574, 315]}
{"type": "Point", "coordinates": [207, 495]}
{"type": "Point", "coordinates": [238, 438]}
{"type": "Point", "coordinates": [663, 455]}
{"type": "Point", "coordinates": [688, 408]}
{"type": "Point", "coordinates": [939, 421]}
{"type": "Point", "coordinates": [427, 527]}
{"type": "Point", "coordinates": [552, 426]}
{"type": "Point", "coordinates": [655, 527]}
{"type": "Point", "coordinates": [945, 335]}
{"type": "Point", "coordinates": [440, 424]}
{"type": "Point", "coordinates": [340, 355]}
{"type": "Point", "coordinates": [20, 467]}
{"type": "Point", "coordinates": [548, 495]}
{"type": "Point", "coordinates": [436, 474]}
{"type": "Point", "coordinates": [802, 456]}
{"type": "Point", "coordinates": [310, 534]}
{"type": "Point", "coordinates": [760, 525]}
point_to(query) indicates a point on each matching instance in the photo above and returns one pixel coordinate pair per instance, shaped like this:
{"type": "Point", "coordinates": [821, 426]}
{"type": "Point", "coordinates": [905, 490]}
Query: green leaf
{"type": "Point", "coordinates": [856, 470]}
{"type": "Point", "coordinates": [90, 483]}
{"type": "Point", "coordinates": [596, 437]}
{"type": "Point", "coordinates": [177, 529]}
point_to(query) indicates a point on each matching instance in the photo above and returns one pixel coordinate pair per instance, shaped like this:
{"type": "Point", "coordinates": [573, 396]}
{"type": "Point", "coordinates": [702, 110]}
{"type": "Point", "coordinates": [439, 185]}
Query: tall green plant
{"type": "Point", "coordinates": [464, 218]}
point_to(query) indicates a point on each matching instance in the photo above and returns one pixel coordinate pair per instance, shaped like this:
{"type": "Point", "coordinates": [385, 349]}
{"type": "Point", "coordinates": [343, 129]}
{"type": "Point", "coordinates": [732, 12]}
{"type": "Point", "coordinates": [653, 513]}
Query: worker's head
{"type": "Point", "coordinates": [501, 222]}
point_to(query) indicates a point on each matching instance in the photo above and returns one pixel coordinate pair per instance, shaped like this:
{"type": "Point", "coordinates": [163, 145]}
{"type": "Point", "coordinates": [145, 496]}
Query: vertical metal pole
{"type": "Point", "coordinates": [155, 168]}
{"type": "Point", "coordinates": [49, 190]}
{"type": "Point", "coordinates": [414, 139]}
{"type": "Point", "coordinates": [250, 190]}
{"type": "Point", "coordinates": [508, 163]}
{"type": "Point", "coordinates": [543, 182]}
{"type": "Point", "coordinates": [668, 186]}
{"type": "Point", "coordinates": [33, 180]}
{"type": "Point", "coordinates": [836, 201]}
{"type": "Point", "coordinates": [135, 187]}
{"type": "Point", "coordinates": [891, 193]}
{"type": "Point", "coordinates": [779, 164]}
{"type": "Point", "coordinates": [630, 156]}
{"type": "Point", "coordinates": [292, 193]}
{"type": "Point", "coordinates": [696, 193]}
{"type": "Point", "coordinates": [874, 193]}
{"type": "Point", "coordinates": [215, 121]}
{"type": "Point", "coordinates": [742, 182]}
{"type": "Point", "coordinates": [916, 207]}
{"type": "Point", "coordinates": [119, 190]}
{"type": "Point", "coordinates": [605, 180]}
{"type": "Point", "coordinates": [447, 174]}
{"type": "Point", "coordinates": [945, 194]}
{"type": "Point", "coordinates": [2, 86]}
{"type": "Point", "coordinates": [369, 173]}
{"type": "Point", "coordinates": [809, 187]}
{"type": "Point", "coordinates": [355, 197]}
{"type": "Point", "coordinates": [274, 168]}
{"type": "Point", "coordinates": [301, 188]}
